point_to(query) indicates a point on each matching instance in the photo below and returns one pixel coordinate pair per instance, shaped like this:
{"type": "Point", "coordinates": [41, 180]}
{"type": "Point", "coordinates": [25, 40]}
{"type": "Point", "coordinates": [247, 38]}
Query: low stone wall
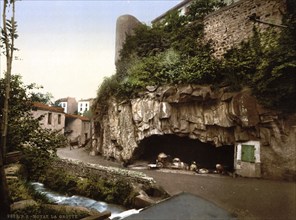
{"type": "Point", "coordinates": [78, 168]}
{"type": "Point", "coordinates": [144, 191]}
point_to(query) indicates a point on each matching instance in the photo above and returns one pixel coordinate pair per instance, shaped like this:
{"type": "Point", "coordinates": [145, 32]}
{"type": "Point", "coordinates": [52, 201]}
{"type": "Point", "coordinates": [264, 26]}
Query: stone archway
{"type": "Point", "coordinates": [188, 150]}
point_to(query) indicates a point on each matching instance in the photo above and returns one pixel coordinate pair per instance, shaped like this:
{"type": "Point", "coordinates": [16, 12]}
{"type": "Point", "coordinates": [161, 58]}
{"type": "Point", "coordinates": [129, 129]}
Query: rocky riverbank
{"type": "Point", "coordinates": [115, 185]}
{"type": "Point", "coordinates": [129, 188]}
{"type": "Point", "coordinates": [29, 204]}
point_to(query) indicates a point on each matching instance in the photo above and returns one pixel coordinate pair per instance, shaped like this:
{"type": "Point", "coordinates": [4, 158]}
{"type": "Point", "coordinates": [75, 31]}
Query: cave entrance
{"type": "Point", "coordinates": [188, 150]}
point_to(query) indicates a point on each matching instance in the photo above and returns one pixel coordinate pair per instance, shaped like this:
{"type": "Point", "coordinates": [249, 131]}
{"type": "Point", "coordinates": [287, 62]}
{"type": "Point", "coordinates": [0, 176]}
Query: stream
{"type": "Point", "coordinates": [117, 211]}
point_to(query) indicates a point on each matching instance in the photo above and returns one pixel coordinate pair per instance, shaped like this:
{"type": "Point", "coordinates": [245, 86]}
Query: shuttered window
{"type": "Point", "coordinates": [248, 153]}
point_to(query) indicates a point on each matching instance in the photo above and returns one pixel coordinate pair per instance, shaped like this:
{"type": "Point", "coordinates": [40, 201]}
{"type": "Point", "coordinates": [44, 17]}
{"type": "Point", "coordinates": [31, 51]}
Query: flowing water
{"type": "Point", "coordinates": [118, 212]}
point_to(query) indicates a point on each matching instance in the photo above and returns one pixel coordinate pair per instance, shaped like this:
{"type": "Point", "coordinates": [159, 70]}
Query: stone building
{"type": "Point", "coordinates": [51, 117]}
{"type": "Point", "coordinates": [77, 129]}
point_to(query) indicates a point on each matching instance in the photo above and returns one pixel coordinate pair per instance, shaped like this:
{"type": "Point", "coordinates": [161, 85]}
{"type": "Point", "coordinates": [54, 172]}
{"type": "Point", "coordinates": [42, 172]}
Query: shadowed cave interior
{"type": "Point", "coordinates": [188, 150]}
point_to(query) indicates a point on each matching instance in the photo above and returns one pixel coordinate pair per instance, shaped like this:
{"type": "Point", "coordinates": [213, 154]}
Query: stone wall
{"type": "Point", "coordinates": [231, 25]}
{"type": "Point", "coordinates": [85, 170]}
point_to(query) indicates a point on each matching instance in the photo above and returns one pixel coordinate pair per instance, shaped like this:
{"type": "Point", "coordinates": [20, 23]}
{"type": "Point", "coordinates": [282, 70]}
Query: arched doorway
{"type": "Point", "coordinates": [188, 150]}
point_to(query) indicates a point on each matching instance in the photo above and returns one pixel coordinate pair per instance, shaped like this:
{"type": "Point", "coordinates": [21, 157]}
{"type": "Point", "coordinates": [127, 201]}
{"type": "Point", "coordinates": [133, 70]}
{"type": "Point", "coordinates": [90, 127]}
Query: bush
{"type": "Point", "coordinates": [113, 191]}
{"type": "Point", "coordinates": [174, 52]}
{"type": "Point", "coordinates": [40, 151]}
{"type": "Point", "coordinates": [18, 190]}
{"type": "Point", "coordinates": [266, 63]}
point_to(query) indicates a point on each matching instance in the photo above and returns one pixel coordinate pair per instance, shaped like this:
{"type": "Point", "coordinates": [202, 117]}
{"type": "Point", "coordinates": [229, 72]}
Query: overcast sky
{"type": "Point", "coordinates": [69, 46]}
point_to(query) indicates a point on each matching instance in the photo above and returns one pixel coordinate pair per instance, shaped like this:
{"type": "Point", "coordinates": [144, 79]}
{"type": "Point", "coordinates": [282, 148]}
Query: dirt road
{"type": "Point", "coordinates": [247, 198]}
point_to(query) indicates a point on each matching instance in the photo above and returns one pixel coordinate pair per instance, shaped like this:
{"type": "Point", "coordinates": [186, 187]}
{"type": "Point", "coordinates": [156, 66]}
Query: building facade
{"type": "Point", "coordinates": [77, 129]}
{"type": "Point", "coordinates": [69, 105]}
{"type": "Point", "coordinates": [84, 105]}
{"type": "Point", "coordinates": [51, 117]}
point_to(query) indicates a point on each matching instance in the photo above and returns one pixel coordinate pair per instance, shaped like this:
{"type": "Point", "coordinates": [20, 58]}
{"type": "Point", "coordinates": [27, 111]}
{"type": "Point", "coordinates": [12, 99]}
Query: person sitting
{"type": "Point", "coordinates": [220, 168]}
{"type": "Point", "coordinates": [193, 166]}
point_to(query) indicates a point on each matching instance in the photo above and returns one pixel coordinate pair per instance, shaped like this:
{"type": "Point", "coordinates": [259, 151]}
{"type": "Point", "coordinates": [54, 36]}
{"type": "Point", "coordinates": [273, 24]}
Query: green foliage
{"type": "Point", "coordinates": [9, 35]}
{"type": "Point", "coordinates": [59, 181]}
{"type": "Point", "coordinates": [110, 190]}
{"type": "Point", "coordinates": [18, 189]}
{"type": "Point", "coordinates": [144, 42]}
{"type": "Point", "coordinates": [108, 88]}
{"type": "Point", "coordinates": [200, 8]}
{"type": "Point", "coordinates": [169, 52]}
{"type": "Point", "coordinates": [169, 68]}
{"type": "Point", "coordinates": [24, 132]}
{"type": "Point", "coordinates": [88, 114]}
{"type": "Point", "coordinates": [267, 64]}
{"type": "Point", "coordinates": [177, 32]}
{"type": "Point", "coordinates": [40, 150]}
{"type": "Point", "coordinates": [19, 124]}
{"type": "Point", "coordinates": [41, 97]}
{"type": "Point", "coordinates": [173, 51]}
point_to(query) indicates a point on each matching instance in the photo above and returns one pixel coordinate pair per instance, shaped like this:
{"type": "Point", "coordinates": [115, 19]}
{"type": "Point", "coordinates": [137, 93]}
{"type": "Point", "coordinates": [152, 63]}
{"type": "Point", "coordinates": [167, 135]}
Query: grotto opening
{"type": "Point", "coordinates": [206, 155]}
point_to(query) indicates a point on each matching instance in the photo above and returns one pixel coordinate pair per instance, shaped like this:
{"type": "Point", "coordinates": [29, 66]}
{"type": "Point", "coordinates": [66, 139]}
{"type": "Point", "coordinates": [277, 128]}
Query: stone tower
{"type": "Point", "coordinates": [125, 25]}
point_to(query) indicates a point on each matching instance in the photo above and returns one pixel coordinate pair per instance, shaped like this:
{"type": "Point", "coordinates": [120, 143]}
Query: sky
{"type": "Point", "coordinates": [68, 46]}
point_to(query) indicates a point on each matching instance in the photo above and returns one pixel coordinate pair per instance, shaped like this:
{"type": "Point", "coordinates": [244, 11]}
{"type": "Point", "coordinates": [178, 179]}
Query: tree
{"type": "Point", "coordinates": [24, 132]}
{"type": "Point", "coordinates": [8, 36]}
{"type": "Point", "coordinates": [41, 97]}
{"type": "Point", "coordinates": [19, 122]}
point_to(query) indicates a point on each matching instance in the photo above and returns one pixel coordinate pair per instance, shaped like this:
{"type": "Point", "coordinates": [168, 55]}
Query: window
{"type": "Point", "coordinates": [248, 153]}
{"type": "Point", "coordinates": [49, 118]}
{"type": "Point", "coordinates": [59, 119]}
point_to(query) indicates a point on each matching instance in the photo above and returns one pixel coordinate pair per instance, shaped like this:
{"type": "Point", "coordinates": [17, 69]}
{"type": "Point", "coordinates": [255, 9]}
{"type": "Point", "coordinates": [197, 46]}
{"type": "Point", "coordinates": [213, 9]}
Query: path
{"type": "Point", "coordinates": [248, 198]}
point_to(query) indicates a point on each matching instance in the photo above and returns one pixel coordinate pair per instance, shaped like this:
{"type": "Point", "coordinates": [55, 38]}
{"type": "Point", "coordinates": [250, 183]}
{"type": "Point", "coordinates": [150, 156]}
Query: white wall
{"type": "Point", "coordinates": [256, 144]}
{"type": "Point", "coordinates": [83, 106]}
{"type": "Point", "coordinates": [64, 105]}
{"type": "Point", "coordinates": [247, 169]}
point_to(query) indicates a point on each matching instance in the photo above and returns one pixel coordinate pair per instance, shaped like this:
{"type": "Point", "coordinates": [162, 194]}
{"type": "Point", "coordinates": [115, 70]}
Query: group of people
{"type": "Point", "coordinates": [196, 168]}
{"type": "Point", "coordinates": [165, 161]}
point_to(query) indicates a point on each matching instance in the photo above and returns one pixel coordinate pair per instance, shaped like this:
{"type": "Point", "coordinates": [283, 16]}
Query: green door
{"type": "Point", "coordinates": [248, 153]}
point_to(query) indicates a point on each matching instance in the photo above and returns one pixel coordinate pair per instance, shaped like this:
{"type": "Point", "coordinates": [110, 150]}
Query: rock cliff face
{"type": "Point", "coordinates": [218, 118]}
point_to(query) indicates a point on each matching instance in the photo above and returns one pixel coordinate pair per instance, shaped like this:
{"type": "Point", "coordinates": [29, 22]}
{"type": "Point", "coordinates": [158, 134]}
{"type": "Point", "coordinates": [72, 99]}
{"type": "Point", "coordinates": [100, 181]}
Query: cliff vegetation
{"type": "Point", "coordinates": [173, 52]}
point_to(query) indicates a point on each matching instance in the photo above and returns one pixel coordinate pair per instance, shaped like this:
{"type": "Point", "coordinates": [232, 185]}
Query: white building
{"type": "Point", "coordinates": [84, 105]}
{"type": "Point", "coordinates": [64, 105]}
